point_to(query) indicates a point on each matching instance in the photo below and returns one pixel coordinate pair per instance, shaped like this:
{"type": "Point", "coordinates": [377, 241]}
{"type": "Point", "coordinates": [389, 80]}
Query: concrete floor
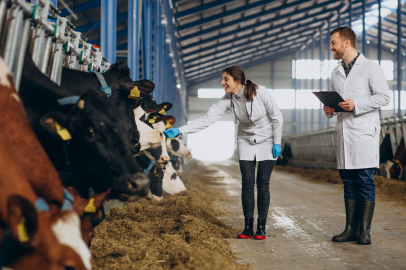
{"type": "Point", "coordinates": [302, 219]}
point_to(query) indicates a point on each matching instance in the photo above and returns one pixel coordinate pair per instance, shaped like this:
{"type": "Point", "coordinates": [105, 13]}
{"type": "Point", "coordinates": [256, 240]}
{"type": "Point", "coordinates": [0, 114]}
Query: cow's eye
{"type": "Point", "coordinates": [90, 133]}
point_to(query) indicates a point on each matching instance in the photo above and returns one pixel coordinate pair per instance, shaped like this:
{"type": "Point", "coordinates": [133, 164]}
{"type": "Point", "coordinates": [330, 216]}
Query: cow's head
{"type": "Point", "coordinates": [97, 144]}
{"type": "Point", "coordinates": [38, 247]}
{"type": "Point", "coordinates": [149, 104]}
{"type": "Point", "coordinates": [178, 147]}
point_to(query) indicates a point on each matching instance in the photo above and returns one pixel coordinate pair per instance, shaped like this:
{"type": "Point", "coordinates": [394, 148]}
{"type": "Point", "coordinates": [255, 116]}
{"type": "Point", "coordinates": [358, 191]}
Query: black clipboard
{"type": "Point", "coordinates": [331, 99]}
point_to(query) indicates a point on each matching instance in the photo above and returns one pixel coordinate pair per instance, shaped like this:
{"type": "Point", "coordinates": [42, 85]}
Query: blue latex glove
{"type": "Point", "coordinates": [172, 133]}
{"type": "Point", "coordinates": [276, 150]}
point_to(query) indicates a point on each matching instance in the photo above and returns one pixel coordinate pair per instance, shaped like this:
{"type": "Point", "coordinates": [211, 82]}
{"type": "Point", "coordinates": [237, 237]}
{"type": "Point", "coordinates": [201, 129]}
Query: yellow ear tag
{"type": "Point", "coordinates": [162, 112]}
{"type": "Point", "coordinates": [62, 132]}
{"type": "Point", "coordinates": [135, 93]}
{"type": "Point", "coordinates": [151, 121]}
{"type": "Point", "coordinates": [155, 173]}
{"type": "Point", "coordinates": [90, 207]}
{"type": "Point", "coordinates": [22, 231]}
{"type": "Point", "coordinates": [168, 126]}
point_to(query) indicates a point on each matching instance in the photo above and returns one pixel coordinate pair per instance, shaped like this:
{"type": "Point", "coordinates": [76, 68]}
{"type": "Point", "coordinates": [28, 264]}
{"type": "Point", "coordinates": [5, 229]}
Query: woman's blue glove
{"type": "Point", "coordinates": [276, 150]}
{"type": "Point", "coordinates": [172, 133]}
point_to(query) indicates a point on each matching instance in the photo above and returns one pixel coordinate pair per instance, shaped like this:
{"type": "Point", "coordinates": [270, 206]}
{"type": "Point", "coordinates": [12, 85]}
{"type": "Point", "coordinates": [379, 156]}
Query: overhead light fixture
{"type": "Point", "coordinates": [178, 86]}
{"type": "Point", "coordinates": [392, 50]}
{"type": "Point", "coordinates": [368, 41]}
{"type": "Point", "coordinates": [170, 54]}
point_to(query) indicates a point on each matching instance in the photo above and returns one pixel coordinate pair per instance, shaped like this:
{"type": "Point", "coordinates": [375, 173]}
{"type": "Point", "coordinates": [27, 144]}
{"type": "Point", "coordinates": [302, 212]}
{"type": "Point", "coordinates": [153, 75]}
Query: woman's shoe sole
{"type": "Point", "coordinates": [258, 237]}
{"type": "Point", "coordinates": [245, 236]}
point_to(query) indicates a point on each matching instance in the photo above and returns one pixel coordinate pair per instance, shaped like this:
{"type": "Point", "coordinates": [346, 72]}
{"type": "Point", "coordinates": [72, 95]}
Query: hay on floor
{"type": "Point", "coordinates": [180, 232]}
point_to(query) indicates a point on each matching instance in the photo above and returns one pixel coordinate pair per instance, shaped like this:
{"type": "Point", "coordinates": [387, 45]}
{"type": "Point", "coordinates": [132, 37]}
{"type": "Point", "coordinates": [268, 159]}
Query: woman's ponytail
{"type": "Point", "coordinates": [250, 90]}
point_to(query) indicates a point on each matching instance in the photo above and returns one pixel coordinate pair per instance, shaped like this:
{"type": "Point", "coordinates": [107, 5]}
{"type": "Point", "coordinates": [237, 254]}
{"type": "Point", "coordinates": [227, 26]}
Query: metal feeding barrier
{"type": "Point", "coordinates": [316, 149]}
{"type": "Point", "coordinates": [51, 39]}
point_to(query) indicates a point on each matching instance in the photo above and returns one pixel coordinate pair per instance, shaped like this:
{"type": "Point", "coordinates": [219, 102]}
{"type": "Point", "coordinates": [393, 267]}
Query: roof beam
{"type": "Point", "coordinates": [255, 16]}
{"type": "Point", "coordinates": [202, 8]}
{"type": "Point", "coordinates": [120, 34]}
{"type": "Point", "coordinates": [82, 7]}
{"type": "Point", "coordinates": [244, 66]}
{"type": "Point", "coordinates": [241, 61]}
{"type": "Point", "coordinates": [96, 24]}
{"type": "Point", "coordinates": [248, 45]}
{"type": "Point", "coordinates": [239, 30]}
{"type": "Point", "coordinates": [262, 46]}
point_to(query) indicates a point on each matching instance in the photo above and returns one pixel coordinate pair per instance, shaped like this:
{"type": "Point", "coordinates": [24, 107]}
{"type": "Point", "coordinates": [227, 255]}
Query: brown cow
{"type": "Point", "coordinates": [25, 147]}
{"type": "Point", "coordinates": [53, 238]}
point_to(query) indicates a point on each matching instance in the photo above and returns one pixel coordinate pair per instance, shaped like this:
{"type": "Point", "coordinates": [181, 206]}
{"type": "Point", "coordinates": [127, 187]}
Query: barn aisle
{"type": "Point", "coordinates": [302, 219]}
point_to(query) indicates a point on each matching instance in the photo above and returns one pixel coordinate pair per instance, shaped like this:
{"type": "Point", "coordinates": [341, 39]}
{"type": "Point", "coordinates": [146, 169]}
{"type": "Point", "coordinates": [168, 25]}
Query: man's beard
{"type": "Point", "coordinates": [338, 55]}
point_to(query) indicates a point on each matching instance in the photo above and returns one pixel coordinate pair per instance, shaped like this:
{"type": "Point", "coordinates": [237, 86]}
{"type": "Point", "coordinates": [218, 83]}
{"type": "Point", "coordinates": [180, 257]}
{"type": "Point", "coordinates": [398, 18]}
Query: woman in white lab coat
{"type": "Point", "coordinates": [259, 138]}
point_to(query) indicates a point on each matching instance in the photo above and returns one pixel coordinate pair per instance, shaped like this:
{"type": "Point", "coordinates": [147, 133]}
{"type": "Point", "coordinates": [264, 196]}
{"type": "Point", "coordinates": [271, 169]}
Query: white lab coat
{"type": "Point", "coordinates": [255, 138]}
{"type": "Point", "coordinates": [357, 133]}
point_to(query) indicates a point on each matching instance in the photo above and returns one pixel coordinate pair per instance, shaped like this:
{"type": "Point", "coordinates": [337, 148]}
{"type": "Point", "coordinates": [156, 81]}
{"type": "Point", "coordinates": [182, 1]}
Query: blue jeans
{"type": "Point", "coordinates": [358, 184]}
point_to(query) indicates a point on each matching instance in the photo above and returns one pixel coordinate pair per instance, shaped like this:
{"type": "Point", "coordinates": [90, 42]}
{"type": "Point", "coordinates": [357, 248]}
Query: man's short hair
{"type": "Point", "coordinates": [345, 33]}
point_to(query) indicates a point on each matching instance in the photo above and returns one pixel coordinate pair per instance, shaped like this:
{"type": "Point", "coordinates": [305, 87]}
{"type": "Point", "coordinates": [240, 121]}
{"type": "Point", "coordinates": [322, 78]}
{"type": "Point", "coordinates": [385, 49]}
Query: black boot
{"type": "Point", "coordinates": [366, 212]}
{"type": "Point", "coordinates": [351, 231]}
{"type": "Point", "coordinates": [248, 230]}
{"type": "Point", "coordinates": [260, 234]}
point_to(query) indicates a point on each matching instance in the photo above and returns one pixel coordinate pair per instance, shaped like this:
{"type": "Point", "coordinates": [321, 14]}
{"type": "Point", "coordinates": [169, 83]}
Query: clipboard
{"type": "Point", "coordinates": [331, 99]}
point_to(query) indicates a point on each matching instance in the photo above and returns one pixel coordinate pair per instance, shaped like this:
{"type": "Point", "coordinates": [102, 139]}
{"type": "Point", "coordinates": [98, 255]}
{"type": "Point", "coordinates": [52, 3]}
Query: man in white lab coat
{"type": "Point", "coordinates": [363, 86]}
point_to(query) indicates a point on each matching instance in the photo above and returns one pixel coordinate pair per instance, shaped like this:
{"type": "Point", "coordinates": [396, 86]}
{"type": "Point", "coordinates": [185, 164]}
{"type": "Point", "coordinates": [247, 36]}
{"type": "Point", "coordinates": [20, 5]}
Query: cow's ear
{"type": "Point", "coordinates": [155, 118]}
{"type": "Point", "coordinates": [56, 123]}
{"type": "Point", "coordinates": [169, 120]}
{"type": "Point", "coordinates": [22, 219]}
{"type": "Point", "coordinates": [139, 89]}
{"type": "Point", "coordinates": [164, 107]}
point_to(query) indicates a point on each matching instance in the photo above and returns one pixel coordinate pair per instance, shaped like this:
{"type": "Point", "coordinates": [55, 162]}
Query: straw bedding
{"type": "Point", "coordinates": [180, 232]}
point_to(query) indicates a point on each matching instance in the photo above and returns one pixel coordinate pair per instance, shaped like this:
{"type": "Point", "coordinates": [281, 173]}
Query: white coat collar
{"type": "Point", "coordinates": [358, 63]}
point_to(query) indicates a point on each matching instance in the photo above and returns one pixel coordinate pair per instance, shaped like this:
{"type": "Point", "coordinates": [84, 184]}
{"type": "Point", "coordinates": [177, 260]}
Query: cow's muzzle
{"type": "Point", "coordinates": [130, 187]}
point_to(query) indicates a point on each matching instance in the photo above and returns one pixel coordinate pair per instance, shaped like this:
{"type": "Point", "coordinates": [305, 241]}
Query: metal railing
{"type": "Point", "coordinates": [52, 40]}
{"type": "Point", "coordinates": [317, 148]}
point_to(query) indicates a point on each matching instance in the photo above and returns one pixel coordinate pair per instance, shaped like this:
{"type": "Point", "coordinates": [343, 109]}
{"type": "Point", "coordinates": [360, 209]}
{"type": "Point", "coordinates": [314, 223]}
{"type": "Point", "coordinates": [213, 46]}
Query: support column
{"type": "Point", "coordinates": [299, 116]}
{"type": "Point", "coordinates": [350, 11]}
{"type": "Point", "coordinates": [294, 122]}
{"type": "Point", "coordinates": [147, 40]}
{"type": "Point", "coordinates": [157, 49]}
{"type": "Point", "coordinates": [321, 79]}
{"type": "Point", "coordinates": [108, 34]}
{"type": "Point", "coordinates": [305, 88]}
{"type": "Point", "coordinates": [312, 111]}
{"type": "Point", "coordinates": [380, 39]}
{"type": "Point", "coordinates": [328, 63]}
{"type": "Point", "coordinates": [399, 54]}
{"type": "Point", "coordinates": [133, 38]}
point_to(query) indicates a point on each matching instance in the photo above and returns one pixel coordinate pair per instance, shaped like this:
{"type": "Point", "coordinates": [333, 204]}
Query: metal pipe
{"type": "Point", "coordinates": [133, 38]}
{"type": "Point", "coordinates": [399, 53]}
{"type": "Point", "coordinates": [363, 44]}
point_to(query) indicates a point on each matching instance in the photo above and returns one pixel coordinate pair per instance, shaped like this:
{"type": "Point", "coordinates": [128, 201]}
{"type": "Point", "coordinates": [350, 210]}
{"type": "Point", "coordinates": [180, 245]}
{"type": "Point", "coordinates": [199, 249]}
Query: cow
{"type": "Point", "coordinates": [34, 233]}
{"type": "Point", "coordinates": [286, 155]}
{"type": "Point", "coordinates": [124, 93]}
{"type": "Point", "coordinates": [177, 147]}
{"type": "Point", "coordinates": [155, 174]}
{"type": "Point", "coordinates": [171, 182]}
{"type": "Point", "coordinates": [155, 120]}
{"type": "Point", "coordinates": [399, 160]}
{"type": "Point", "coordinates": [87, 138]}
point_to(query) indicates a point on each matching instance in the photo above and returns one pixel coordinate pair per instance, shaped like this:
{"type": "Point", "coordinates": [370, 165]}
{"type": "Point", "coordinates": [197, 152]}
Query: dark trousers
{"type": "Point", "coordinates": [248, 183]}
{"type": "Point", "coordinates": [358, 184]}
